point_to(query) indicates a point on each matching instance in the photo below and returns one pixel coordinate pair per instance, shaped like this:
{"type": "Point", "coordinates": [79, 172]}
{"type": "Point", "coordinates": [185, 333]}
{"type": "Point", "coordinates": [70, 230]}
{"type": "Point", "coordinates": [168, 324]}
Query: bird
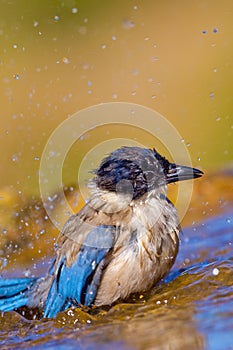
{"type": "Point", "coordinates": [123, 241]}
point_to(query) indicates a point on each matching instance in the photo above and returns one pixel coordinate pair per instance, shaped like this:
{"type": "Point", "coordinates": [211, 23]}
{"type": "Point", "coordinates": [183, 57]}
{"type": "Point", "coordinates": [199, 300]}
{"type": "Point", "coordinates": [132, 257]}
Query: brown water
{"type": "Point", "coordinates": [191, 309]}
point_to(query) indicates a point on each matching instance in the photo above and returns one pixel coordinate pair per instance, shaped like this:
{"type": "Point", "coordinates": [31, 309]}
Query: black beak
{"type": "Point", "coordinates": [179, 172]}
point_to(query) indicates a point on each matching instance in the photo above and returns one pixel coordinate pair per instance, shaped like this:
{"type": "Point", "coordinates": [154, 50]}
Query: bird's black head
{"type": "Point", "coordinates": [136, 171]}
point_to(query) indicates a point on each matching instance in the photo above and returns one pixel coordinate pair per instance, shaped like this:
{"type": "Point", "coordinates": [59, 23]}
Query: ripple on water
{"type": "Point", "coordinates": [193, 309]}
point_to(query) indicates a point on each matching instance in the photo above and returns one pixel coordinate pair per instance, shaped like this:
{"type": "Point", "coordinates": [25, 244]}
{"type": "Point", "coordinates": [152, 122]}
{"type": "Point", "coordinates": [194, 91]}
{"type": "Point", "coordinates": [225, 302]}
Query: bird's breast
{"type": "Point", "coordinates": [144, 252]}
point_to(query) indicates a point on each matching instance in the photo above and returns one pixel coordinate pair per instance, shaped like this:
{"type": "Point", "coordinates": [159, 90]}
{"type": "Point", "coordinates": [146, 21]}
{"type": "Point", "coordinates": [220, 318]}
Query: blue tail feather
{"type": "Point", "coordinates": [55, 302]}
{"type": "Point", "coordinates": [15, 293]}
{"type": "Point", "coordinates": [67, 284]}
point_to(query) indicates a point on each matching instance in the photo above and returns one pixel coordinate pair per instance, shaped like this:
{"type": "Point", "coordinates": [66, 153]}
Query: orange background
{"type": "Point", "coordinates": [59, 57]}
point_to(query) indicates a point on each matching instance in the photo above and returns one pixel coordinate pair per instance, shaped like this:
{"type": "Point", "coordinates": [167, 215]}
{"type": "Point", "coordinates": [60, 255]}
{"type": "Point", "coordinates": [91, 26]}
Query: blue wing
{"type": "Point", "coordinates": [78, 283]}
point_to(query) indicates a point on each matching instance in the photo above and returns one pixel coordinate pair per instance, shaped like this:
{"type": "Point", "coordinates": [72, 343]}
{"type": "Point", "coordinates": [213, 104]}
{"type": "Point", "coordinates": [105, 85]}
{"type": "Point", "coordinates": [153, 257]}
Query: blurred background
{"type": "Point", "coordinates": [58, 57]}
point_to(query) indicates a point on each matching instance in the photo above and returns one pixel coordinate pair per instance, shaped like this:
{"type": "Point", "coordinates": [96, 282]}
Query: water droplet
{"type": "Point", "coordinates": [188, 144]}
{"type": "Point", "coordinates": [36, 158]}
{"type": "Point", "coordinates": [215, 271]}
{"type": "Point", "coordinates": [228, 220]}
{"type": "Point", "coordinates": [215, 70]}
{"type": "Point", "coordinates": [218, 119]}
{"type": "Point", "coordinates": [198, 158]}
{"type": "Point", "coordinates": [127, 23]}
{"type": "Point", "coordinates": [15, 46]}
{"type": "Point", "coordinates": [16, 76]}
{"type": "Point", "coordinates": [147, 38]}
{"type": "Point", "coordinates": [103, 46]}
{"type": "Point", "coordinates": [70, 313]}
{"type": "Point", "coordinates": [14, 158]}
{"type": "Point", "coordinates": [114, 96]}
{"type": "Point", "coordinates": [215, 30]}
{"type": "Point", "coordinates": [4, 231]}
{"type": "Point", "coordinates": [89, 83]}
{"type": "Point", "coordinates": [56, 18]}
{"type": "Point", "coordinates": [114, 37]}
{"type": "Point", "coordinates": [135, 8]}
{"type": "Point", "coordinates": [27, 273]}
{"type": "Point", "coordinates": [74, 10]}
{"type": "Point", "coordinates": [65, 60]}
{"type": "Point", "coordinates": [42, 232]}
{"type": "Point", "coordinates": [35, 24]}
{"type": "Point", "coordinates": [82, 30]}
{"type": "Point", "coordinates": [153, 97]}
{"type": "Point", "coordinates": [85, 66]}
{"type": "Point", "coordinates": [212, 95]}
{"type": "Point", "coordinates": [204, 31]}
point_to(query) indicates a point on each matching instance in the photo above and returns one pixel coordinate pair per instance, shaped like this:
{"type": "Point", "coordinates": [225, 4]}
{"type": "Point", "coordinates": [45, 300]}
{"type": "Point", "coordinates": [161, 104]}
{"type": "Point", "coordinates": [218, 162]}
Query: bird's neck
{"type": "Point", "coordinates": [112, 202]}
{"type": "Point", "coordinates": [147, 216]}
